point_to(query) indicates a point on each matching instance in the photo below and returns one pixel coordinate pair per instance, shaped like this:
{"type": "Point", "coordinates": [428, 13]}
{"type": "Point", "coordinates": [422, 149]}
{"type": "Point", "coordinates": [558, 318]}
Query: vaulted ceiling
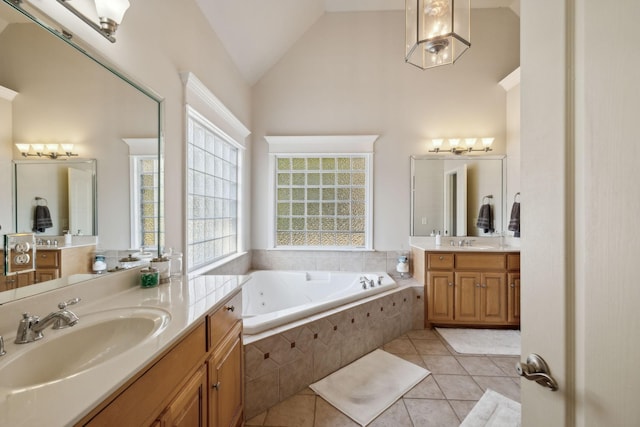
{"type": "Point", "coordinates": [257, 33]}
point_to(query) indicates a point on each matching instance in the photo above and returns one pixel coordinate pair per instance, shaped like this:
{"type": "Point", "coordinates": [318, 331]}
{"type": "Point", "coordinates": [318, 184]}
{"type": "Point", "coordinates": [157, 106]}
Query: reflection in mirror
{"type": "Point", "coordinates": [434, 196]}
{"type": "Point", "coordinates": [65, 189]}
{"type": "Point", "coordinates": [52, 92]}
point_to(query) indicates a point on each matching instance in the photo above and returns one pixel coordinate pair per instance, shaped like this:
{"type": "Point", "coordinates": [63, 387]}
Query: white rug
{"type": "Point", "coordinates": [363, 389]}
{"type": "Point", "coordinates": [493, 410]}
{"type": "Point", "coordinates": [482, 341]}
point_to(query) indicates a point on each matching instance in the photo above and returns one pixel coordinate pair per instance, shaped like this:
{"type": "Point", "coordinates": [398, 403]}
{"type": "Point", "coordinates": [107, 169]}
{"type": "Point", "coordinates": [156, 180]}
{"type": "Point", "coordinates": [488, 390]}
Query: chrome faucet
{"type": "Point", "coordinates": [2, 352]}
{"type": "Point", "coordinates": [31, 327]}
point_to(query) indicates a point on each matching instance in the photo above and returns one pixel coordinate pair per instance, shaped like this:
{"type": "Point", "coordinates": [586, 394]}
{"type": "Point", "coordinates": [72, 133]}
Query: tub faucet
{"type": "Point", "coordinates": [31, 327]}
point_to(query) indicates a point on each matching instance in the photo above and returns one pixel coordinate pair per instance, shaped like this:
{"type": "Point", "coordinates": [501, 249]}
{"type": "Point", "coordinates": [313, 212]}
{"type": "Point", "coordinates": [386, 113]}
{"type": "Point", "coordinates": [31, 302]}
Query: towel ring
{"type": "Point", "coordinates": [490, 196]}
{"type": "Point", "coordinates": [39, 201]}
{"type": "Point", "coordinates": [516, 197]}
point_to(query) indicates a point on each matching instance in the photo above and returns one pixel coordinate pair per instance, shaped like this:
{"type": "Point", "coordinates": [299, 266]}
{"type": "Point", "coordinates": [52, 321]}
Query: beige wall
{"type": "Point", "coordinates": [157, 40]}
{"type": "Point", "coordinates": [347, 75]}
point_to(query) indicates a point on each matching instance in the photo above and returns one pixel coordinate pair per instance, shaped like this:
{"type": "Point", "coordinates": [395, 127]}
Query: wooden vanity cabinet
{"type": "Point", "coordinates": [197, 383]}
{"type": "Point", "coordinates": [226, 382]}
{"type": "Point", "coordinates": [62, 262]}
{"type": "Point", "coordinates": [469, 288]}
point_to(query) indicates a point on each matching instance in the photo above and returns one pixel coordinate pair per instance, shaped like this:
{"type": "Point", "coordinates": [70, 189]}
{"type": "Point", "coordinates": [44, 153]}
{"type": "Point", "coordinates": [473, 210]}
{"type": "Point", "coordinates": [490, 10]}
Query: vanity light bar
{"type": "Point", "coordinates": [456, 148]}
{"type": "Point", "coordinates": [51, 150]}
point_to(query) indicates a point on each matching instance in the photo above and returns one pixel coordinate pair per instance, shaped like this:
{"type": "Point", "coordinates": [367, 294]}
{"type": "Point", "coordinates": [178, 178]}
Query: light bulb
{"type": "Point", "coordinates": [437, 143]}
{"type": "Point", "coordinates": [486, 142]}
{"type": "Point", "coordinates": [112, 9]}
{"type": "Point", "coordinates": [52, 148]}
{"type": "Point", "coordinates": [454, 142]}
{"type": "Point", "coordinates": [38, 148]}
{"type": "Point", "coordinates": [67, 148]}
{"type": "Point", "coordinates": [470, 142]}
{"type": "Point", "coordinates": [23, 148]}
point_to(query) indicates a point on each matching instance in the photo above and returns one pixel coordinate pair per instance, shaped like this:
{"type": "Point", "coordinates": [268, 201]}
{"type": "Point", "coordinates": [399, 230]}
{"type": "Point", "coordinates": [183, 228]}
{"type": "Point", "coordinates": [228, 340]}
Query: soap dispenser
{"type": "Point", "coordinates": [403, 266]}
{"type": "Point", "coordinates": [438, 239]}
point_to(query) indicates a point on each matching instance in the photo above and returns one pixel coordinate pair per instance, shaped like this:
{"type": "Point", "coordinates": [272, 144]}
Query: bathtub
{"type": "Point", "coordinates": [274, 298]}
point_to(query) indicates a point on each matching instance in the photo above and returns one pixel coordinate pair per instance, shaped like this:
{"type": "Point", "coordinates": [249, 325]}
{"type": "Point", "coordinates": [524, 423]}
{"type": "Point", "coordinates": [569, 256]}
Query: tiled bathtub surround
{"type": "Point", "coordinates": [280, 365]}
{"type": "Point", "coordinates": [327, 260]}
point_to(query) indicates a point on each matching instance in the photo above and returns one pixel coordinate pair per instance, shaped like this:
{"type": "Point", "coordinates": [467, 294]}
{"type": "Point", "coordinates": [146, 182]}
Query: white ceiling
{"type": "Point", "coordinates": [257, 33]}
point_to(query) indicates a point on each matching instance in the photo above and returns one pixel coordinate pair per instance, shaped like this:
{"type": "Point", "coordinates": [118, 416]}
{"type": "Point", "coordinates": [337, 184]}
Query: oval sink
{"type": "Point", "coordinates": [98, 337]}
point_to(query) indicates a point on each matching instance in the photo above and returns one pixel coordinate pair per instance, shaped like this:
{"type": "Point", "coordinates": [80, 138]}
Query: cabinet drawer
{"type": "Point", "coordinates": [47, 259]}
{"type": "Point", "coordinates": [513, 261]}
{"type": "Point", "coordinates": [221, 322]}
{"type": "Point", "coordinates": [478, 261]}
{"type": "Point", "coordinates": [441, 261]}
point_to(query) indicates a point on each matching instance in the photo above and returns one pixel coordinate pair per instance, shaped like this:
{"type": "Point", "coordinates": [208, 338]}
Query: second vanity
{"type": "Point", "coordinates": [468, 284]}
{"type": "Point", "coordinates": [172, 355]}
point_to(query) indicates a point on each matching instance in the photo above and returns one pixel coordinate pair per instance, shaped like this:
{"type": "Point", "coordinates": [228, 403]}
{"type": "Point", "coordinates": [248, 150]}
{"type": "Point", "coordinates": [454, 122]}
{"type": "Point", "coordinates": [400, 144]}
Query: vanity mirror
{"type": "Point", "coordinates": [54, 92]}
{"type": "Point", "coordinates": [447, 193]}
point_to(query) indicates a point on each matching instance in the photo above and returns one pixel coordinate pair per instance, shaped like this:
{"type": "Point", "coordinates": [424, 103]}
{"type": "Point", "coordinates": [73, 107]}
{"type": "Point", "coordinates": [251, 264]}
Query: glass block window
{"type": "Point", "coordinates": [212, 193]}
{"type": "Point", "coordinates": [322, 201]}
{"type": "Point", "coordinates": [146, 173]}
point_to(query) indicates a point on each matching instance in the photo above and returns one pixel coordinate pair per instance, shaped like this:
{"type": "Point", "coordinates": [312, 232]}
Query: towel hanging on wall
{"type": "Point", "coordinates": [42, 219]}
{"type": "Point", "coordinates": [485, 218]}
{"type": "Point", "coordinates": [514, 220]}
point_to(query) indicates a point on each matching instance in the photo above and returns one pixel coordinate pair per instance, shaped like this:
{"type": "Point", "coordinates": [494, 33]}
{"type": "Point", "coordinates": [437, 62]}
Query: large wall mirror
{"type": "Point", "coordinates": [447, 193]}
{"type": "Point", "coordinates": [53, 92]}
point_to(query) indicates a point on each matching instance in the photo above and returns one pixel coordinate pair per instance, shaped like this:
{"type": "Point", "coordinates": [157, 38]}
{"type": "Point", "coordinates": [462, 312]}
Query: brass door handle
{"type": "Point", "coordinates": [216, 386]}
{"type": "Point", "coordinates": [230, 308]}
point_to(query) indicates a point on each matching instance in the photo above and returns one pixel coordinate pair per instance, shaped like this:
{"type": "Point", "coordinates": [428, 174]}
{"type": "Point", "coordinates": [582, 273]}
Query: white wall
{"type": "Point", "coordinates": [347, 75]}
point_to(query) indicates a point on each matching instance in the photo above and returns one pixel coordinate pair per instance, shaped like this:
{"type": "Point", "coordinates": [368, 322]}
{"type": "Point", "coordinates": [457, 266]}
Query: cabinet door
{"type": "Point", "coordinates": [513, 304]}
{"type": "Point", "coordinates": [467, 296]}
{"type": "Point", "coordinates": [25, 279]}
{"type": "Point", "coordinates": [493, 297]}
{"type": "Point", "coordinates": [44, 275]}
{"type": "Point", "coordinates": [189, 408]}
{"type": "Point", "coordinates": [439, 295]}
{"type": "Point", "coordinates": [225, 381]}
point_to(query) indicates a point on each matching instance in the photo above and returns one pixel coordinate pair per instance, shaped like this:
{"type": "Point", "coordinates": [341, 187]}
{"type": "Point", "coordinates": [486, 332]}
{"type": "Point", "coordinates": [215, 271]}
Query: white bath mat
{"type": "Point", "coordinates": [493, 410]}
{"type": "Point", "coordinates": [363, 389]}
{"type": "Point", "coordinates": [482, 341]}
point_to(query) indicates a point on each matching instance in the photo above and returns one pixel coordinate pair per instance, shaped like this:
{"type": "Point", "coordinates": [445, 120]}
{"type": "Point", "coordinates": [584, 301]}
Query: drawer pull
{"type": "Point", "coordinates": [513, 285]}
{"type": "Point", "coordinates": [440, 257]}
{"type": "Point", "coordinates": [230, 308]}
{"type": "Point", "coordinates": [477, 285]}
{"type": "Point", "coordinates": [450, 284]}
{"type": "Point", "coordinates": [216, 386]}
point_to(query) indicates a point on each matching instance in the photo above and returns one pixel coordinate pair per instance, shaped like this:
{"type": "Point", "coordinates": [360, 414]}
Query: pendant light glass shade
{"type": "Point", "coordinates": [437, 31]}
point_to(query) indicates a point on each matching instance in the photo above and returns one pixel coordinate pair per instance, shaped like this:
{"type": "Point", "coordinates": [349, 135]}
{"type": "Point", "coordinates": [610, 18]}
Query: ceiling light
{"type": "Point", "coordinates": [437, 32]}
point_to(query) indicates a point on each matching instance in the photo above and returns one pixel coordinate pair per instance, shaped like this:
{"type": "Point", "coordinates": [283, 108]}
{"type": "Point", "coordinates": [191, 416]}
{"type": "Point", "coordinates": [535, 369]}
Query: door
{"type": "Point", "coordinates": [580, 202]}
{"type": "Point", "coordinates": [455, 201]}
{"type": "Point", "coordinates": [80, 201]}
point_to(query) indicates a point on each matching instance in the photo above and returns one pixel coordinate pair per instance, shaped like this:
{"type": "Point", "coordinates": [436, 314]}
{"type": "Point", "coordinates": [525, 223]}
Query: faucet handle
{"type": "Point", "coordinates": [2, 351]}
{"type": "Point", "coordinates": [72, 301]}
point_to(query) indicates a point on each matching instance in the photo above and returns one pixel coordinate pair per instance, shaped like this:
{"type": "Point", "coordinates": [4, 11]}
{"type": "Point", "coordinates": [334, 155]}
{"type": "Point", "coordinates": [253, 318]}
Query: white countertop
{"type": "Point", "coordinates": [478, 244]}
{"type": "Point", "coordinates": [66, 402]}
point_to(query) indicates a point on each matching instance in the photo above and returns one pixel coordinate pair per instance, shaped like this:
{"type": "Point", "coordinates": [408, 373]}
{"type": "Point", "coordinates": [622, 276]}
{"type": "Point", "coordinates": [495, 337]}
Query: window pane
{"type": "Point", "coordinates": [323, 202]}
{"type": "Point", "coordinates": [212, 185]}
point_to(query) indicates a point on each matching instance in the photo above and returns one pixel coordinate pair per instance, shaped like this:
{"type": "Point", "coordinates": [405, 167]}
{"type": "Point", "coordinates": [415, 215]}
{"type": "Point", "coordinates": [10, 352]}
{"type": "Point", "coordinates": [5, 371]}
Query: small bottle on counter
{"type": "Point", "coordinates": [438, 239]}
{"type": "Point", "coordinates": [68, 239]}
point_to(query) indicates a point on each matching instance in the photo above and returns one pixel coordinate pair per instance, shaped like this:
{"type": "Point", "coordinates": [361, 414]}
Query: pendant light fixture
{"type": "Point", "coordinates": [437, 31]}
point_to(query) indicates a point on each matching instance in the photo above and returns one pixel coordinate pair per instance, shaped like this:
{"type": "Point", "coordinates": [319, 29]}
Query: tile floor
{"type": "Point", "coordinates": [444, 398]}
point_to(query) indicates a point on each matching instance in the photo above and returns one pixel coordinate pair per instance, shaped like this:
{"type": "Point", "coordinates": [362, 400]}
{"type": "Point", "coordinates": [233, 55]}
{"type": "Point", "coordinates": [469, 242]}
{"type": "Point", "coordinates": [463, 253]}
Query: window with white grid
{"type": "Point", "coordinates": [322, 192]}
{"type": "Point", "coordinates": [212, 193]}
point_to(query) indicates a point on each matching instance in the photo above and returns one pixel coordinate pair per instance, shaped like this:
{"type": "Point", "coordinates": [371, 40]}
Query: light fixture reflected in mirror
{"type": "Point", "coordinates": [110, 13]}
{"type": "Point", "coordinates": [437, 32]}
{"type": "Point", "coordinates": [46, 150]}
{"type": "Point", "coordinates": [455, 148]}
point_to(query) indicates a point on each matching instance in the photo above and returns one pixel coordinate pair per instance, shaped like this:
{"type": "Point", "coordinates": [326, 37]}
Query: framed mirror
{"type": "Point", "coordinates": [54, 92]}
{"type": "Point", "coordinates": [447, 193]}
